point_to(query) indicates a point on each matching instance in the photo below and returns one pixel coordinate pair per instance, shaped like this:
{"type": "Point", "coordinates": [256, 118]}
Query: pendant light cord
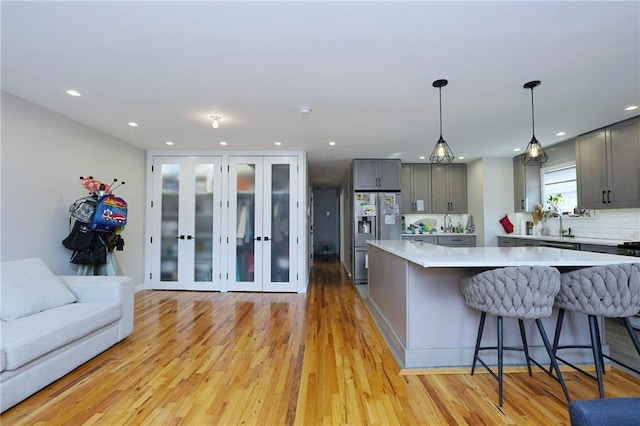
{"type": "Point", "coordinates": [440, 97]}
{"type": "Point", "coordinates": [533, 122]}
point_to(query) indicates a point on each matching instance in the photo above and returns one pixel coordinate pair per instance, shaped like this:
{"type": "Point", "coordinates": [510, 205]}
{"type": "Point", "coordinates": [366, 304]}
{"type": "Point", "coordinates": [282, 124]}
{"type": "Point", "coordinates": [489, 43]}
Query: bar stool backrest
{"type": "Point", "coordinates": [611, 291]}
{"type": "Point", "coordinates": [523, 292]}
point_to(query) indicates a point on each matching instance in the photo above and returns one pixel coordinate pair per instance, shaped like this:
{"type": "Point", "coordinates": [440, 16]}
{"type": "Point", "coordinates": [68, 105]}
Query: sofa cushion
{"type": "Point", "coordinates": [28, 338]}
{"type": "Point", "coordinates": [29, 287]}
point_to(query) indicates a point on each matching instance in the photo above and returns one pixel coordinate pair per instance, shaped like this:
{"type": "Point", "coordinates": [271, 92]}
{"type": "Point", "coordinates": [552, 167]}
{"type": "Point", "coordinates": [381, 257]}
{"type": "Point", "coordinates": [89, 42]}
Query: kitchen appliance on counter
{"type": "Point", "coordinates": [629, 248]}
{"type": "Point", "coordinates": [376, 217]}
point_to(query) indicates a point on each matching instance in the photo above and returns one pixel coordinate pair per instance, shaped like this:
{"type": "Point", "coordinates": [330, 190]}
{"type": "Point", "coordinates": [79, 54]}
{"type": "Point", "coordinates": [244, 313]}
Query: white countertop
{"type": "Point", "coordinates": [579, 240]}
{"type": "Point", "coordinates": [433, 256]}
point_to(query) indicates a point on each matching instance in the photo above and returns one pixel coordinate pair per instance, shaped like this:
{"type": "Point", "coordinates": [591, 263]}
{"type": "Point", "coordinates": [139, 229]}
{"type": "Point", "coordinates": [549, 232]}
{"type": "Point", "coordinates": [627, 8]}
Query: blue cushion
{"type": "Point", "coordinates": [604, 412]}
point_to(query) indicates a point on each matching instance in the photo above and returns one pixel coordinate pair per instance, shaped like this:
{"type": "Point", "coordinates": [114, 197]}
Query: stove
{"type": "Point", "coordinates": [629, 248]}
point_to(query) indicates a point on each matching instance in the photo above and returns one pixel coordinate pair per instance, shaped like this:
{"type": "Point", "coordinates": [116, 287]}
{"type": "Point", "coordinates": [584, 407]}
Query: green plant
{"type": "Point", "coordinates": [555, 200]}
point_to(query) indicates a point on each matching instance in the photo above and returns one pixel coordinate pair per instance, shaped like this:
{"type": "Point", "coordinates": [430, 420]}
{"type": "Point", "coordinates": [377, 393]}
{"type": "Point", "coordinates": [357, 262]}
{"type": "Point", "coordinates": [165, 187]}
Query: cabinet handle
{"type": "Point", "coordinates": [181, 237]}
{"type": "Point", "coordinates": [603, 201]}
{"type": "Point", "coordinates": [608, 195]}
{"type": "Point", "coordinates": [189, 237]}
{"type": "Point", "coordinates": [522, 204]}
{"type": "Point", "coordinates": [258, 238]}
{"type": "Point", "coordinates": [266, 238]}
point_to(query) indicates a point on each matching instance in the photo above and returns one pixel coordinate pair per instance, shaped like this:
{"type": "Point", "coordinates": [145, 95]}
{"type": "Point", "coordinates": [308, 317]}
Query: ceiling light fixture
{"type": "Point", "coordinates": [215, 121]}
{"type": "Point", "coordinates": [169, 143]}
{"type": "Point", "coordinates": [277, 143]}
{"type": "Point", "coordinates": [534, 154]}
{"type": "Point", "coordinates": [305, 110]}
{"type": "Point", "coordinates": [223, 143]}
{"type": "Point", "coordinates": [73, 93]}
{"type": "Point", "coordinates": [332, 143]}
{"type": "Point", "coordinates": [631, 108]}
{"type": "Point", "coordinates": [133, 124]}
{"type": "Point", "coordinates": [441, 152]}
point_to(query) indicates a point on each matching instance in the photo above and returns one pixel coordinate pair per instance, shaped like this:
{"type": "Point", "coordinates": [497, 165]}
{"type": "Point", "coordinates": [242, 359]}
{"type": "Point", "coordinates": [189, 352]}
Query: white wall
{"type": "Point", "coordinates": [43, 155]}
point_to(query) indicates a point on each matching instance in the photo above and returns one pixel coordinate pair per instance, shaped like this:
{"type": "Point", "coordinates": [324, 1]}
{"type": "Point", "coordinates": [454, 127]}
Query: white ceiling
{"type": "Point", "coordinates": [365, 68]}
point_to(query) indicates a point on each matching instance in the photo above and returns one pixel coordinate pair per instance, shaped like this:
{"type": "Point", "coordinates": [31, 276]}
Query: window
{"type": "Point", "coordinates": [560, 179]}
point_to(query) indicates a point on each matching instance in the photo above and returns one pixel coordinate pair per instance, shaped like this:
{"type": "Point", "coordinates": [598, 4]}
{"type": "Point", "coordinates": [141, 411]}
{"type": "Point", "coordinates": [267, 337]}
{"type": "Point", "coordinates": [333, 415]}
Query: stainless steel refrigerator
{"type": "Point", "coordinates": [376, 217]}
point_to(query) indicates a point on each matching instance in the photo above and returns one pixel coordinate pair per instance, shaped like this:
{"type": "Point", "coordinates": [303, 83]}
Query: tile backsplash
{"type": "Point", "coordinates": [615, 224]}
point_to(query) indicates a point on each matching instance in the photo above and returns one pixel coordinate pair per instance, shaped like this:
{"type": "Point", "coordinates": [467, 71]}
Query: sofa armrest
{"type": "Point", "coordinates": [101, 288]}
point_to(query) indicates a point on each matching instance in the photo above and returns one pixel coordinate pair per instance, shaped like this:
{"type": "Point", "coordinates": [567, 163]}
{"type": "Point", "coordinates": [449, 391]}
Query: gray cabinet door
{"type": "Point", "coordinates": [416, 187]}
{"type": "Point", "coordinates": [365, 175]}
{"type": "Point", "coordinates": [624, 171]}
{"type": "Point", "coordinates": [526, 185]}
{"type": "Point", "coordinates": [389, 175]}
{"type": "Point", "coordinates": [439, 188]}
{"type": "Point", "coordinates": [506, 242]}
{"type": "Point", "coordinates": [457, 188]}
{"type": "Point", "coordinates": [591, 161]}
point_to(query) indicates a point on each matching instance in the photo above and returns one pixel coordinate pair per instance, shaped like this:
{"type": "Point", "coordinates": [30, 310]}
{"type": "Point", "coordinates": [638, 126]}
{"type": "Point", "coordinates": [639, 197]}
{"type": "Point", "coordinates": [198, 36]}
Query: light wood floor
{"type": "Point", "coordinates": [271, 359]}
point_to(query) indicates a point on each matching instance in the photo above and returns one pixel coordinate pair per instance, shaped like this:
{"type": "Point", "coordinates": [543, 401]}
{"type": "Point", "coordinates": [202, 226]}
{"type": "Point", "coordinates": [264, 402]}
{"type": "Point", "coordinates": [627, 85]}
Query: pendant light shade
{"type": "Point", "coordinates": [441, 152]}
{"type": "Point", "coordinates": [534, 154]}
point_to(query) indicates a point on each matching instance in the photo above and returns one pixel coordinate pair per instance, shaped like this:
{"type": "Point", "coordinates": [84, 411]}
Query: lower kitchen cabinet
{"type": "Point", "coordinates": [507, 242]}
{"type": "Point", "coordinates": [450, 240]}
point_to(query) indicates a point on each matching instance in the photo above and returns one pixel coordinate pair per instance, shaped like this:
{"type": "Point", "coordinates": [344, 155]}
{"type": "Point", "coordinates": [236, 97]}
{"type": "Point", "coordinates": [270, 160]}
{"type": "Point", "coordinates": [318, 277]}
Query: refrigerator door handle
{"type": "Point", "coordinates": [366, 260]}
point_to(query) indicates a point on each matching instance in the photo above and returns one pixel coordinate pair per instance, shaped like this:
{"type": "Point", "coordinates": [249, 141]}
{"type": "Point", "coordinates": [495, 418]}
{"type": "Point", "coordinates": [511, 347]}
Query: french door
{"type": "Point", "coordinates": [262, 253]}
{"type": "Point", "coordinates": [186, 212]}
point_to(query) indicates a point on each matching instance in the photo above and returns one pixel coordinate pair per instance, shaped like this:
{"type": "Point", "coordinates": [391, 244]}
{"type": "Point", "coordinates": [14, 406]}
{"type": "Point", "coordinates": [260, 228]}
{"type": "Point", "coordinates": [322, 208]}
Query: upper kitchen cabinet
{"type": "Point", "coordinates": [607, 166]}
{"type": "Point", "coordinates": [526, 185]}
{"type": "Point", "coordinates": [376, 175]}
{"type": "Point", "coordinates": [416, 188]}
{"type": "Point", "coordinates": [449, 188]}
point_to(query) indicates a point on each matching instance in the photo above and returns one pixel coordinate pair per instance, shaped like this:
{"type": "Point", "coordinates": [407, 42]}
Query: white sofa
{"type": "Point", "coordinates": [49, 324]}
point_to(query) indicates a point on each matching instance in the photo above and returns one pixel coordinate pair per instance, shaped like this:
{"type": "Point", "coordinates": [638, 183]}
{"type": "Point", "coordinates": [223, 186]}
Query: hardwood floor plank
{"type": "Point", "coordinates": [199, 358]}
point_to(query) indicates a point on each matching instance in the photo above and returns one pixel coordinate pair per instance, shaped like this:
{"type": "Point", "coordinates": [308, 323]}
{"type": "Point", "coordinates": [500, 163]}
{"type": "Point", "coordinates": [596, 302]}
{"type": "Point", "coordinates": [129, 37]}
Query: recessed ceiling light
{"type": "Point", "coordinates": [631, 107]}
{"type": "Point", "coordinates": [561, 133]}
{"type": "Point", "coordinates": [516, 149]}
{"type": "Point", "coordinates": [133, 124]}
{"type": "Point", "coordinates": [422, 157]}
{"type": "Point", "coordinates": [73, 93]}
{"type": "Point", "coordinates": [330, 157]}
{"type": "Point", "coordinates": [460, 158]}
{"type": "Point", "coordinates": [223, 143]}
{"type": "Point", "coordinates": [277, 143]}
{"type": "Point", "coordinates": [332, 143]}
{"type": "Point", "coordinates": [169, 143]}
{"type": "Point", "coordinates": [305, 110]}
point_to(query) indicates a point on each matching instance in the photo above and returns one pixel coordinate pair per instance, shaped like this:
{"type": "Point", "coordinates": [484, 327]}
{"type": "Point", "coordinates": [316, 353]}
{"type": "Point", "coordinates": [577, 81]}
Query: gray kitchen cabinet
{"type": "Point", "coordinates": [431, 239]}
{"type": "Point", "coordinates": [449, 188]}
{"type": "Point", "coordinates": [607, 166]}
{"type": "Point", "coordinates": [526, 185]}
{"type": "Point", "coordinates": [520, 242]}
{"type": "Point", "coordinates": [416, 188]}
{"type": "Point", "coordinates": [457, 240]}
{"type": "Point", "coordinates": [374, 174]}
{"type": "Point", "coordinates": [598, 248]}
{"type": "Point", "coordinates": [507, 242]}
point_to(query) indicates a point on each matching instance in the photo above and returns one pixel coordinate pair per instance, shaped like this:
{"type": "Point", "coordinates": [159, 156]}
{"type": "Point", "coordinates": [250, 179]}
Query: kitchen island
{"type": "Point", "coordinates": [414, 297]}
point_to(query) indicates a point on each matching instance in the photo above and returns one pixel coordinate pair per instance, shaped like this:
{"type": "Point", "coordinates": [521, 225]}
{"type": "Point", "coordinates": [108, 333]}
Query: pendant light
{"type": "Point", "coordinates": [215, 119]}
{"type": "Point", "coordinates": [441, 152]}
{"type": "Point", "coordinates": [534, 154]}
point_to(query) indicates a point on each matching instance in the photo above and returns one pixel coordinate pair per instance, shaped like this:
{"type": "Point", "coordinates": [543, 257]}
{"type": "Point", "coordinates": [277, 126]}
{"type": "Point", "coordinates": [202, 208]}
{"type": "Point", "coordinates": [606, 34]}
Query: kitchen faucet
{"type": "Point", "coordinates": [447, 227]}
{"type": "Point", "coordinates": [561, 231]}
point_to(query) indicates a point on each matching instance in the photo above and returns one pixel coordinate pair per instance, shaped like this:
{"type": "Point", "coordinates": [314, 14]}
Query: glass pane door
{"type": "Point", "coordinates": [280, 180]}
{"type": "Point", "coordinates": [185, 243]}
{"type": "Point", "coordinates": [245, 224]}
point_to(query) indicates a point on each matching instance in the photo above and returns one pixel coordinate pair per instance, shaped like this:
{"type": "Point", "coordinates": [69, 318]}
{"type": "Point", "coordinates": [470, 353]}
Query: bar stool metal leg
{"type": "Point", "coordinates": [500, 359]}
{"type": "Point", "coordinates": [632, 334]}
{"type": "Point", "coordinates": [483, 316]}
{"type": "Point", "coordinates": [597, 351]}
{"type": "Point", "coordinates": [524, 345]}
{"type": "Point", "coordinates": [552, 356]}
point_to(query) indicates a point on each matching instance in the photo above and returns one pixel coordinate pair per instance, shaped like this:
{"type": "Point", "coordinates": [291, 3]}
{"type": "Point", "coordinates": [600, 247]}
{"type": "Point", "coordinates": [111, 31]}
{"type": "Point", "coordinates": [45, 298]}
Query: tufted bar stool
{"type": "Point", "coordinates": [521, 292]}
{"type": "Point", "coordinates": [610, 291]}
